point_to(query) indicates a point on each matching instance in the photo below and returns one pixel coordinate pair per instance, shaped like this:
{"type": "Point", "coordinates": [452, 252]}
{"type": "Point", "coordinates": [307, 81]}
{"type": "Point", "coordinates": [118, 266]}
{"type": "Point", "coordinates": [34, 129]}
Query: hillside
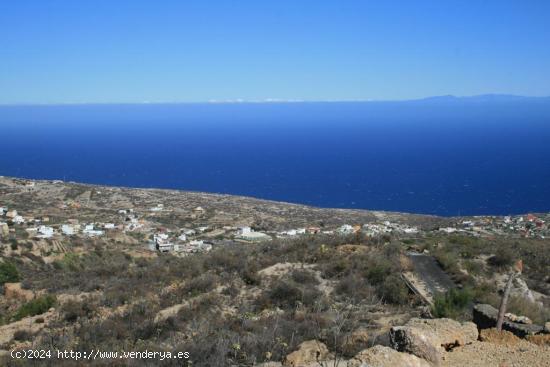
{"type": "Point", "coordinates": [241, 281]}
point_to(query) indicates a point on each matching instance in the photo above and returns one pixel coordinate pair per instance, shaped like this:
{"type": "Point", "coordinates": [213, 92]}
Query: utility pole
{"type": "Point", "coordinates": [516, 272]}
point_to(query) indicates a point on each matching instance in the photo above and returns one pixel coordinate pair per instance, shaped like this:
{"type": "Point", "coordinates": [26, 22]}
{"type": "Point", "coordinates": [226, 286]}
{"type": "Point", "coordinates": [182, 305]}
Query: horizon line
{"type": "Point", "coordinates": [273, 100]}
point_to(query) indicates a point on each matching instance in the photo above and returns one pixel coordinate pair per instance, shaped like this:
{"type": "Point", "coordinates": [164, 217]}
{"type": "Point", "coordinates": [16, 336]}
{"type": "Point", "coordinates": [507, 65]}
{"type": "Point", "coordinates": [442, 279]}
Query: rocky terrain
{"type": "Point", "coordinates": [237, 281]}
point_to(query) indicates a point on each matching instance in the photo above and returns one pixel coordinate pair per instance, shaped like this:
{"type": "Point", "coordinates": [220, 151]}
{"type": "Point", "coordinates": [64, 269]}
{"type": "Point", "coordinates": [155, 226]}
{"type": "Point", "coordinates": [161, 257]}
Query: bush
{"type": "Point", "coordinates": [304, 277]}
{"type": "Point", "coordinates": [378, 271]}
{"type": "Point", "coordinates": [250, 275]}
{"type": "Point", "coordinates": [393, 290]}
{"type": "Point", "coordinates": [452, 304]}
{"type": "Point", "coordinates": [35, 307]}
{"type": "Point", "coordinates": [22, 335]}
{"type": "Point", "coordinates": [355, 288]}
{"type": "Point", "coordinates": [287, 294]}
{"type": "Point", "coordinates": [8, 273]}
{"type": "Point", "coordinates": [504, 257]}
{"type": "Point", "coordinates": [73, 310]}
{"type": "Point", "coordinates": [13, 244]}
{"type": "Point", "coordinates": [199, 285]}
{"type": "Point", "coordinates": [473, 267]}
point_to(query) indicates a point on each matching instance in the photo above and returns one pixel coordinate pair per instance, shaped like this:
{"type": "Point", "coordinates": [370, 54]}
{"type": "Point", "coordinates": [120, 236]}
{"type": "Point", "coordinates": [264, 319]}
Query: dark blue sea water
{"type": "Point", "coordinates": [440, 156]}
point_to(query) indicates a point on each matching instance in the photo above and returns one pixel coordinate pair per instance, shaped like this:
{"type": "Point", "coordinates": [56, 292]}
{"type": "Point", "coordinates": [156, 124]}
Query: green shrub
{"type": "Point", "coordinates": [13, 244]}
{"type": "Point", "coordinates": [504, 257]}
{"type": "Point", "coordinates": [473, 267]}
{"type": "Point", "coordinates": [304, 277]}
{"type": "Point", "coordinates": [378, 271]}
{"type": "Point", "coordinates": [8, 273]}
{"type": "Point", "coordinates": [355, 288]}
{"type": "Point", "coordinates": [73, 310]}
{"type": "Point", "coordinates": [35, 307]}
{"type": "Point", "coordinates": [393, 290]}
{"type": "Point", "coordinates": [452, 304]}
{"type": "Point", "coordinates": [199, 285]}
{"type": "Point", "coordinates": [250, 275]}
{"type": "Point", "coordinates": [287, 294]}
{"type": "Point", "coordinates": [22, 335]}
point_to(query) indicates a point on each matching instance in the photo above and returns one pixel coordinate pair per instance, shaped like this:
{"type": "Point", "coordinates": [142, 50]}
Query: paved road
{"type": "Point", "coordinates": [432, 278]}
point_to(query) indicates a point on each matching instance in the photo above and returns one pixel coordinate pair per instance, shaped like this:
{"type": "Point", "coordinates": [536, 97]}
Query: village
{"type": "Point", "coordinates": [203, 236]}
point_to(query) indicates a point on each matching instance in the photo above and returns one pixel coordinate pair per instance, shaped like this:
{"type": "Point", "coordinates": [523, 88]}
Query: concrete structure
{"type": "Point", "coordinates": [91, 232]}
{"type": "Point", "coordinates": [253, 237]}
{"type": "Point", "coordinates": [244, 230]}
{"type": "Point", "coordinates": [161, 242]}
{"type": "Point", "coordinates": [69, 229]}
{"type": "Point", "coordinates": [45, 232]}
{"type": "Point", "coordinates": [345, 229]}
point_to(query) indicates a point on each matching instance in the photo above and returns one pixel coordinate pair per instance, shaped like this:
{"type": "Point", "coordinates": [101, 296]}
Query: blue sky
{"type": "Point", "coordinates": [187, 51]}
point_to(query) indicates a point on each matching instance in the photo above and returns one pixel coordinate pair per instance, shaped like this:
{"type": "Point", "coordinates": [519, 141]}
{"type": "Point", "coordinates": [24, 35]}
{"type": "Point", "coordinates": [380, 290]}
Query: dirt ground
{"type": "Point", "coordinates": [487, 354]}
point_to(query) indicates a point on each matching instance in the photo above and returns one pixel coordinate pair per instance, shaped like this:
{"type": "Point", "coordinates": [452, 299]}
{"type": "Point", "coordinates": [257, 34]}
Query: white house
{"type": "Point", "coordinates": [182, 237]}
{"type": "Point", "coordinates": [133, 226]}
{"type": "Point", "coordinates": [18, 219]}
{"type": "Point", "coordinates": [345, 229]}
{"type": "Point", "coordinates": [109, 226]}
{"type": "Point", "coordinates": [253, 237]}
{"type": "Point", "coordinates": [158, 208]}
{"type": "Point", "coordinates": [90, 231]}
{"type": "Point", "coordinates": [410, 230]}
{"type": "Point", "coordinates": [45, 231]}
{"type": "Point", "coordinates": [67, 229]}
{"type": "Point", "coordinates": [244, 230]}
{"type": "Point", "coordinates": [290, 232]}
{"type": "Point", "coordinates": [161, 242]}
{"type": "Point", "coordinates": [198, 245]}
{"type": "Point", "coordinates": [165, 247]}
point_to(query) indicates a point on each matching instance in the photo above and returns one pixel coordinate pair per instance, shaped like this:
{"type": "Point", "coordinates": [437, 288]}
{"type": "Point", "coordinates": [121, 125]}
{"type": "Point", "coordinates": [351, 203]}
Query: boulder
{"type": "Point", "coordinates": [522, 290]}
{"type": "Point", "coordinates": [547, 327]}
{"type": "Point", "coordinates": [429, 338]}
{"type": "Point", "coordinates": [485, 317]}
{"type": "Point", "coordinates": [380, 356]}
{"type": "Point", "coordinates": [308, 352]}
{"type": "Point", "coordinates": [519, 319]}
{"type": "Point", "coordinates": [448, 332]}
{"type": "Point", "coordinates": [421, 343]}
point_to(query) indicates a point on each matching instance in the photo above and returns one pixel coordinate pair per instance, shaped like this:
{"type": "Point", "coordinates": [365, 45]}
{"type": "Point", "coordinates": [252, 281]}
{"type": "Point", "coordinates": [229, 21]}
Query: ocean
{"type": "Point", "coordinates": [444, 156]}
